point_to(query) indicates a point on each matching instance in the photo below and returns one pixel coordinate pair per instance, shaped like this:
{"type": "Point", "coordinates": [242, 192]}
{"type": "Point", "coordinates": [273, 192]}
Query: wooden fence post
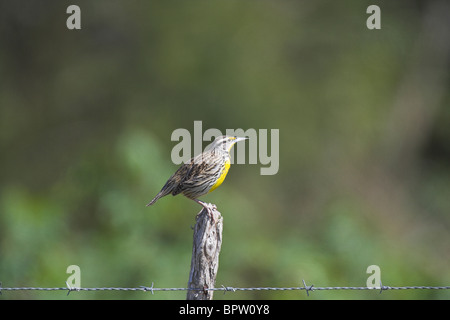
{"type": "Point", "coordinates": [205, 255]}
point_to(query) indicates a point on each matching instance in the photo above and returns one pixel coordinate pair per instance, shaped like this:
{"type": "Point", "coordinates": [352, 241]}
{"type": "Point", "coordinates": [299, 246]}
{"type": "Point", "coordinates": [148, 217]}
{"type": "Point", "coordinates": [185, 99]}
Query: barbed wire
{"type": "Point", "coordinates": [225, 289]}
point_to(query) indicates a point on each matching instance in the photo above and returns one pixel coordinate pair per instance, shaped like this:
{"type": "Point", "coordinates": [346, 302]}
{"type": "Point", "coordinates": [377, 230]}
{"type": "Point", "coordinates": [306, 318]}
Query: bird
{"type": "Point", "coordinates": [201, 174]}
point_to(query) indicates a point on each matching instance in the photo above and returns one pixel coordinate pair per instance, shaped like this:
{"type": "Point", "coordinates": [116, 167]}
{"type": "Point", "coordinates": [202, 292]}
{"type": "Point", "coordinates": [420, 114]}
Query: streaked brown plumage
{"type": "Point", "coordinates": [201, 174]}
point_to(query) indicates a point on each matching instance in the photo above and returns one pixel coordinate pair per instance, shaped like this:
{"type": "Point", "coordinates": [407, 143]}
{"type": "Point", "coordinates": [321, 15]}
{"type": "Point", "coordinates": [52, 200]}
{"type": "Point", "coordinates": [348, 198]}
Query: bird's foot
{"type": "Point", "coordinates": [210, 207]}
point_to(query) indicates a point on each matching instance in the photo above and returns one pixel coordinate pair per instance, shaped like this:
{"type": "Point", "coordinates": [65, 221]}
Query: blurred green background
{"type": "Point", "coordinates": [86, 118]}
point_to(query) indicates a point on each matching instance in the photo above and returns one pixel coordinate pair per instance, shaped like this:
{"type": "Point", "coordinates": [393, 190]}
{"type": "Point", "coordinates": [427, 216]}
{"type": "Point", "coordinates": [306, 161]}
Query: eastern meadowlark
{"type": "Point", "coordinates": [202, 174]}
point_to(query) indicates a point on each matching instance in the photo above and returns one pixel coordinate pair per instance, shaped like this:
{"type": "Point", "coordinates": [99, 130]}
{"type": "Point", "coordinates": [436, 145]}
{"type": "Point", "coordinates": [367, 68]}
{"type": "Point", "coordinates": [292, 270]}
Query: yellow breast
{"type": "Point", "coordinates": [222, 176]}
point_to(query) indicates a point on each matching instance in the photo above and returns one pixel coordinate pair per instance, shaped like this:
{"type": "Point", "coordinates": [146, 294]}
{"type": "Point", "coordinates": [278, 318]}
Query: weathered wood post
{"type": "Point", "coordinates": [205, 255]}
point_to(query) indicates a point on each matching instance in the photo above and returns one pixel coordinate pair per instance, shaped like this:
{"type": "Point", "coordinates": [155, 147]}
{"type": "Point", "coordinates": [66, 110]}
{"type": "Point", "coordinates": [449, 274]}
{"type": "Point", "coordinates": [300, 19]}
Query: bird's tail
{"type": "Point", "coordinates": [160, 194]}
{"type": "Point", "coordinates": [167, 189]}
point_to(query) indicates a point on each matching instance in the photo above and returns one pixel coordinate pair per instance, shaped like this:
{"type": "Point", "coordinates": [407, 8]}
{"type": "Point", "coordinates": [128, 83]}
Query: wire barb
{"type": "Point", "coordinates": [148, 288]}
{"type": "Point", "coordinates": [384, 288]}
{"type": "Point", "coordinates": [225, 289]}
{"type": "Point", "coordinates": [310, 288]}
{"type": "Point", "coordinates": [70, 289]}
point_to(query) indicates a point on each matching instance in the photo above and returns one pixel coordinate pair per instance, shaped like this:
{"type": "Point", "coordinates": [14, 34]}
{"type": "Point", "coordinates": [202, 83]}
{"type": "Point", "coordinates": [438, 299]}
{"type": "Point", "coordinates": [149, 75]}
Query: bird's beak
{"type": "Point", "coordinates": [240, 139]}
{"type": "Point", "coordinates": [231, 143]}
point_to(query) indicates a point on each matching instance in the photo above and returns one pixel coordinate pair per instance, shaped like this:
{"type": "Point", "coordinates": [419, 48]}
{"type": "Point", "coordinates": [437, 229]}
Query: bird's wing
{"type": "Point", "coordinates": [189, 172]}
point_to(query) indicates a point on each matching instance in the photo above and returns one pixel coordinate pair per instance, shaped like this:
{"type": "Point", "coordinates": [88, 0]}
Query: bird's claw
{"type": "Point", "coordinates": [210, 207]}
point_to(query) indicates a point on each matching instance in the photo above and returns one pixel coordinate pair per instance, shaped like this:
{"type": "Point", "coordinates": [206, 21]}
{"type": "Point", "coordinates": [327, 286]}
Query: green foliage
{"type": "Point", "coordinates": [85, 138]}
